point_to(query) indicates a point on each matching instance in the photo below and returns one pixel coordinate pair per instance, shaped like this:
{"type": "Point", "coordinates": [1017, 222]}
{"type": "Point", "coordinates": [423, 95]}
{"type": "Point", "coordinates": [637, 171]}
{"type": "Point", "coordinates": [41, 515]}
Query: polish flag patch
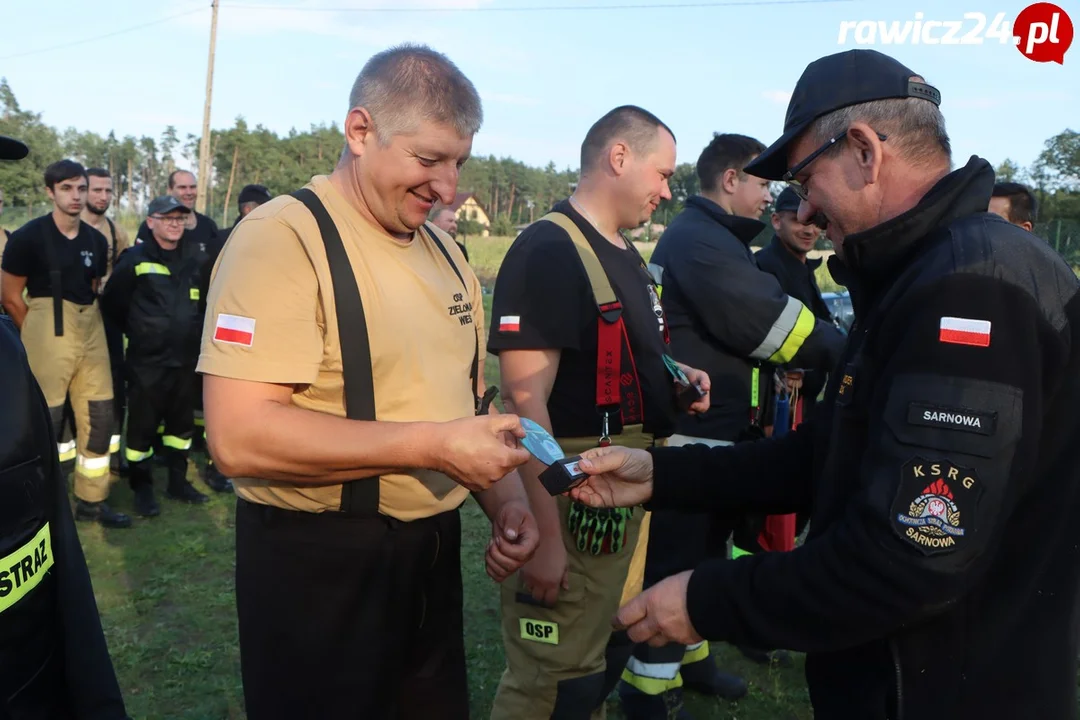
{"type": "Point", "coordinates": [965, 331]}
{"type": "Point", "coordinates": [510, 323]}
{"type": "Point", "coordinates": [235, 330]}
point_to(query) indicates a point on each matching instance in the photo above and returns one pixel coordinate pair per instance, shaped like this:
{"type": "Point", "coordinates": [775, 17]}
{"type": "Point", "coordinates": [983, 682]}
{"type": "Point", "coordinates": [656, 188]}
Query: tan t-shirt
{"type": "Point", "coordinates": [271, 318]}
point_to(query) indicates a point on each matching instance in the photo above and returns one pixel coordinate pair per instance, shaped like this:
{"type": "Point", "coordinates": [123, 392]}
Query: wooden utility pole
{"type": "Point", "coordinates": [232, 176]}
{"type": "Point", "coordinates": [204, 144]}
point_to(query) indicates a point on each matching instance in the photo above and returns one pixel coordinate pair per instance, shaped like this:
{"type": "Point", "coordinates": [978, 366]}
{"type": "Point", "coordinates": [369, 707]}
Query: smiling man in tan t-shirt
{"type": "Point", "coordinates": [349, 590]}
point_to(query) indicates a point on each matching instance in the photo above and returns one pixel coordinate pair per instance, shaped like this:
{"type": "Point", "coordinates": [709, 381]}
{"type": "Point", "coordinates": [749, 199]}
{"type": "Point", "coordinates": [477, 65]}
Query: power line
{"type": "Point", "coordinates": [114, 33]}
{"type": "Point", "coordinates": [530, 8]}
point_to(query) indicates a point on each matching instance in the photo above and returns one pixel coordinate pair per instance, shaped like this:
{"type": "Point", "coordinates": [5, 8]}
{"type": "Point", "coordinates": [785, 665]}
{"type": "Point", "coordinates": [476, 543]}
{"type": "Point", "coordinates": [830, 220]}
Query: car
{"type": "Point", "coordinates": [840, 306]}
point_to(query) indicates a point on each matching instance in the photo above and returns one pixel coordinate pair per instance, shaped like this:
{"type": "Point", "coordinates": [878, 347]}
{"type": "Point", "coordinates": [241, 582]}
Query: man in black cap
{"type": "Point", "coordinates": [787, 259]}
{"type": "Point", "coordinates": [251, 197]}
{"type": "Point", "coordinates": [941, 569]}
{"type": "Point", "coordinates": [1016, 203]}
{"type": "Point", "coordinates": [154, 297]}
{"type": "Point", "coordinates": [53, 659]}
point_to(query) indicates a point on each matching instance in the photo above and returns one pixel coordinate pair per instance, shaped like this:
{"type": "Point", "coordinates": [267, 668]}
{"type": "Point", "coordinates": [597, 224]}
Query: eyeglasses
{"type": "Point", "coordinates": [789, 176]}
{"type": "Point", "coordinates": [175, 220]}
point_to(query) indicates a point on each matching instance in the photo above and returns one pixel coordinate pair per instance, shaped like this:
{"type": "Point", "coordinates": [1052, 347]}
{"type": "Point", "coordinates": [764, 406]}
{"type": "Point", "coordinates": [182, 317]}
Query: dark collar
{"type": "Point", "coordinates": [788, 258]}
{"type": "Point", "coordinates": [746, 229]}
{"type": "Point", "coordinates": [875, 255]}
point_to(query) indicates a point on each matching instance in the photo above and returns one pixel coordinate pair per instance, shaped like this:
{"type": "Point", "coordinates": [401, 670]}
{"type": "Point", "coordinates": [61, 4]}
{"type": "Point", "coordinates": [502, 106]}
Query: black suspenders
{"type": "Point", "coordinates": [358, 497]}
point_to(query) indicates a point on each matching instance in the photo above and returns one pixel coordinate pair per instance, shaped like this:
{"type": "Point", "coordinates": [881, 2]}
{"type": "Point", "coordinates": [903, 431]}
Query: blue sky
{"type": "Point", "coordinates": [544, 75]}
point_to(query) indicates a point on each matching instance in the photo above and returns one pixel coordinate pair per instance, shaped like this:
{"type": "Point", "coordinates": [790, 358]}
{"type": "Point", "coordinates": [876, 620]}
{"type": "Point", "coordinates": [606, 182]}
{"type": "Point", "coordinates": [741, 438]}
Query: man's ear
{"type": "Point", "coordinates": [729, 181]}
{"type": "Point", "coordinates": [776, 222]}
{"type": "Point", "coordinates": [1027, 226]}
{"type": "Point", "coordinates": [619, 157]}
{"type": "Point", "coordinates": [359, 127]}
{"type": "Point", "coordinates": [869, 153]}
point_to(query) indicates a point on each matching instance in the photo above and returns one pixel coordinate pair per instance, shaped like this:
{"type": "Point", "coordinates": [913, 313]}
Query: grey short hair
{"type": "Point", "coordinates": [914, 126]}
{"type": "Point", "coordinates": [409, 83]}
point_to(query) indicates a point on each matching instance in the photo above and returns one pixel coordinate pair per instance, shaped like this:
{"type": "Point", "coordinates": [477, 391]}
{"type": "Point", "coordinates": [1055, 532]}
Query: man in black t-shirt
{"type": "Point", "coordinates": [553, 345]}
{"type": "Point", "coordinates": [59, 260]}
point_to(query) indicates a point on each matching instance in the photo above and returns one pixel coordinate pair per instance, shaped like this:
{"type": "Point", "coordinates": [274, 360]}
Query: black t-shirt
{"type": "Point", "coordinates": [543, 285]}
{"type": "Point", "coordinates": [81, 260]}
{"type": "Point", "coordinates": [205, 233]}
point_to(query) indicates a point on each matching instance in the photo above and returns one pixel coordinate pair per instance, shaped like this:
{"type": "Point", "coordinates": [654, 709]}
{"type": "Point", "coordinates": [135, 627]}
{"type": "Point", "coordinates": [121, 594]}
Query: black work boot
{"type": "Point", "coordinates": [142, 484]}
{"type": "Point", "coordinates": [179, 488]}
{"type": "Point", "coordinates": [216, 480]}
{"type": "Point", "coordinates": [102, 513]}
{"type": "Point", "coordinates": [637, 705]}
{"type": "Point", "coordinates": [704, 677]}
{"type": "Point", "coordinates": [146, 504]}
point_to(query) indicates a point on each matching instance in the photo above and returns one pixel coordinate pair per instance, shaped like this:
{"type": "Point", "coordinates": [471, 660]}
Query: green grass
{"type": "Point", "coordinates": [165, 594]}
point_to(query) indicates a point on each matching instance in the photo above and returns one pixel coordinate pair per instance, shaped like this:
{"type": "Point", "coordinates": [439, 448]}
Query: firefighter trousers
{"type": "Point", "coordinates": [159, 396]}
{"type": "Point", "coordinates": [75, 365]}
{"type": "Point", "coordinates": [678, 541]}
{"type": "Point", "coordinates": [563, 661]}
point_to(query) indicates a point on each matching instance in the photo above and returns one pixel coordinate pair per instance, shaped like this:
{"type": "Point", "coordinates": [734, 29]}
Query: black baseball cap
{"type": "Point", "coordinates": [787, 201]}
{"type": "Point", "coordinates": [12, 149]}
{"type": "Point", "coordinates": [254, 193]}
{"type": "Point", "coordinates": [834, 82]}
{"type": "Point", "coordinates": [166, 204]}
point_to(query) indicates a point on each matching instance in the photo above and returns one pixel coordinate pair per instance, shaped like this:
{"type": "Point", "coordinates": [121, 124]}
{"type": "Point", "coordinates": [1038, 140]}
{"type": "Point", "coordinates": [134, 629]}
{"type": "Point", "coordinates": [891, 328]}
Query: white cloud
{"type": "Point", "coordinates": [779, 97]}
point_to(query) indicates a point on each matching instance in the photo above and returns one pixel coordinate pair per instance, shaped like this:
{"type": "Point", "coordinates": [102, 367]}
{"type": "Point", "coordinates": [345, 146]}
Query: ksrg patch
{"type": "Point", "coordinates": [935, 504]}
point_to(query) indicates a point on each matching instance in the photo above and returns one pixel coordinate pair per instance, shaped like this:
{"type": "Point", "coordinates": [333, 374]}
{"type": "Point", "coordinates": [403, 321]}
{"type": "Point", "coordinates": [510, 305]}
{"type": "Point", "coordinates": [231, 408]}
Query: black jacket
{"type": "Point", "coordinates": [797, 279]}
{"type": "Point", "coordinates": [727, 317]}
{"type": "Point", "coordinates": [54, 664]}
{"type": "Point", "coordinates": [941, 572]}
{"type": "Point", "coordinates": [158, 302]}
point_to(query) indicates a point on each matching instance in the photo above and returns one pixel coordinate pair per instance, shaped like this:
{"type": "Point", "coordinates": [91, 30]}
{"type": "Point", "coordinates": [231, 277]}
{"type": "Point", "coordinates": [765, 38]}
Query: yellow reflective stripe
{"type": "Point", "coordinates": [149, 268]}
{"type": "Point", "coordinates": [738, 552]}
{"type": "Point", "coordinates": [24, 569]}
{"type": "Point", "coordinates": [200, 421]}
{"type": "Point", "coordinates": [651, 686]}
{"type": "Point", "coordinates": [92, 467]}
{"type": "Point", "coordinates": [66, 451]}
{"type": "Point", "coordinates": [539, 631]}
{"type": "Point", "coordinates": [114, 444]}
{"type": "Point", "coordinates": [194, 293]}
{"type": "Point", "coordinates": [795, 339]}
{"type": "Point", "coordinates": [161, 429]}
{"type": "Point", "coordinates": [171, 441]}
{"type": "Point", "coordinates": [137, 456]}
{"type": "Point", "coordinates": [696, 653]}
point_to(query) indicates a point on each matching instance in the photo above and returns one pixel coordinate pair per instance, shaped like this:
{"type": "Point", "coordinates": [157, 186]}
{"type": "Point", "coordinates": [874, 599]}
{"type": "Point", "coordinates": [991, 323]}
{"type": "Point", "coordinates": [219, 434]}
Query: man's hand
{"type": "Point", "coordinates": [545, 574]}
{"type": "Point", "coordinates": [701, 379]}
{"type": "Point", "coordinates": [618, 477]}
{"type": "Point", "coordinates": [659, 616]}
{"type": "Point", "coordinates": [514, 538]}
{"type": "Point", "coordinates": [473, 450]}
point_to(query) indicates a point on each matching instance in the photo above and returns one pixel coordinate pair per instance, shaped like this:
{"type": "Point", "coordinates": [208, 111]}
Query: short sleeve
{"type": "Point", "coordinates": [101, 252]}
{"type": "Point", "coordinates": [19, 257]}
{"type": "Point", "coordinates": [261, 317]}
{"type": "Point", "coordinates": [542, 297]}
